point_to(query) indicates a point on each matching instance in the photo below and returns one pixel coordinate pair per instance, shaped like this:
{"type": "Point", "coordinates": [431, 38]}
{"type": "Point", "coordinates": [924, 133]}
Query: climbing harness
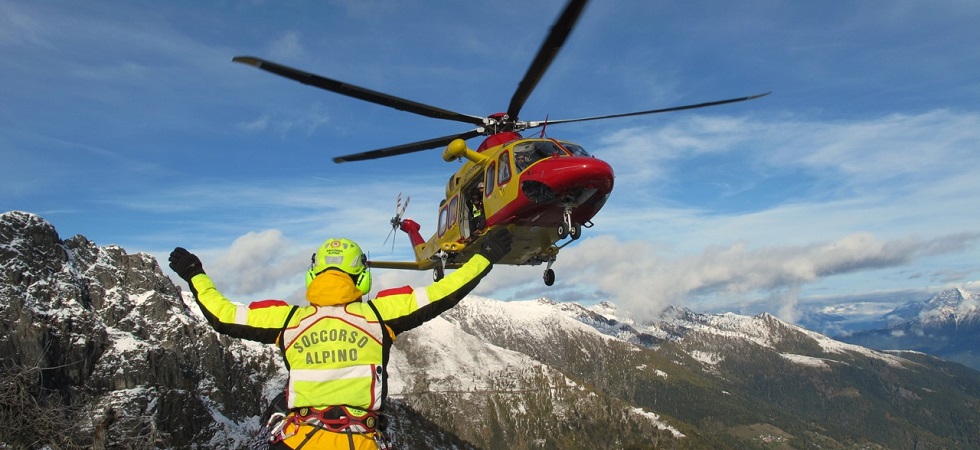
{"type": "Point", "coordinates": [336, 419]}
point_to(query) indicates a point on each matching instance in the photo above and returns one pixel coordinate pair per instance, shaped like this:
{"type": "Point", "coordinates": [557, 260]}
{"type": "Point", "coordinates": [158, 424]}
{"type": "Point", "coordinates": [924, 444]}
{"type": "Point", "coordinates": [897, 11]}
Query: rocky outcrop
{"type": "Point", "coordinates": [111, 332]}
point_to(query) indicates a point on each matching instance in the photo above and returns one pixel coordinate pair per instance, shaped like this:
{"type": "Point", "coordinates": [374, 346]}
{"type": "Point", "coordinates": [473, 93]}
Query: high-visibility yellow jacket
{"type": "Point", "coordinates": [336, 348]}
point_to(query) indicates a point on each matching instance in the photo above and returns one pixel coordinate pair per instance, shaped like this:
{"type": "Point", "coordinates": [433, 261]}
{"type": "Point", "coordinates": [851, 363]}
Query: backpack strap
{"type": "Point", "coordinates": [386, 342]}
{"type": "Point", "coordinates": [282, 334]}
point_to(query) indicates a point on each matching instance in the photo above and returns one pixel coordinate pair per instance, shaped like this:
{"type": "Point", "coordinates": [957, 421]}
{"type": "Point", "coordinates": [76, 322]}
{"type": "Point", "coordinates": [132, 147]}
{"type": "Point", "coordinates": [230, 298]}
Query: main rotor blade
{"type": "Point", "coordinates": [549, 49]}
{"type": "Point", "coordinates": [652, 111]}
{"type": "Point", "coordinates": [358, 92]}
{"type": "Point", "coordinates": [407, 148]}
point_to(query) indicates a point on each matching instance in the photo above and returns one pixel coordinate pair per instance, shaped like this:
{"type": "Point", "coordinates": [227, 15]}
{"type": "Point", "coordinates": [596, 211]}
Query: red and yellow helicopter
{"type": "Point", "coordinates": [544, 190]}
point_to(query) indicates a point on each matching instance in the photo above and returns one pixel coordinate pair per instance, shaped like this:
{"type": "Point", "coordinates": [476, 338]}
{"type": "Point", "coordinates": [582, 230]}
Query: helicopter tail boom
{"type": "Point", "coordinates": [411, 228]}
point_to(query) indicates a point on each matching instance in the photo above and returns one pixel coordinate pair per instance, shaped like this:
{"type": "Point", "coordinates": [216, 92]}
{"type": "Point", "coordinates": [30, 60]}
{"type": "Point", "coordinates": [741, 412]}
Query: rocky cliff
{"type": "Point", "coordinates": [115, 341]}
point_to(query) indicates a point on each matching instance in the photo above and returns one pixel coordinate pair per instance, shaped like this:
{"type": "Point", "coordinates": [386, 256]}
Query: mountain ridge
{"type": "Point", "coordinates": [121, 344]}
{"type": "Point", "coordinates": [946, 325]}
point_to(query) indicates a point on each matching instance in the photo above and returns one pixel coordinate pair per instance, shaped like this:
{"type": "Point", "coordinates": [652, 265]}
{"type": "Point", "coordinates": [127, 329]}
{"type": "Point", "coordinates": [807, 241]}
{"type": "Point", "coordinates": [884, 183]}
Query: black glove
{"type": "Point", "coordinates": [497, 244]}
{"type": "Point", "coordinates": [185, 264]}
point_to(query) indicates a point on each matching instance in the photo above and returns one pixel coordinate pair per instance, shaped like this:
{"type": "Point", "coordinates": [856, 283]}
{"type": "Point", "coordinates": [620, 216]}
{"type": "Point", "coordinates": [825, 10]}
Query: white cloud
{"type": "Point", "coordinates": [895, 146]}
{"type": "Point", "coordinates": [257, 262]}
{"type": "Point", "coordinates": [896, 175]}
{"type": "Point", "coordinates": [287, 47]}
{"type": "Point", "coordinates": [17, 26]}
{"type": "Point", "coordinates": [260, 124]}
{"type": "Point", "coordinates": [644, 279]}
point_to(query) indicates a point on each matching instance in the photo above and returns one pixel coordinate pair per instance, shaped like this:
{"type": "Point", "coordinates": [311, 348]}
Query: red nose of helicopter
{"type": "Point", "coordinates": [570, 181]}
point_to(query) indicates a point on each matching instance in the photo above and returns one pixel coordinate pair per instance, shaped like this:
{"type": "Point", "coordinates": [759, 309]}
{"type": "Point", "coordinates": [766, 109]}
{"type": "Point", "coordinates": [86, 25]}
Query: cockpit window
{"type": "Point", "coordinates": [576, 149]}
{"type": "Point", "coordinates": [443, 219]}
{"type": "Point", "coordinates": [527, 153]}
{"type": "Point", "coordinates": [503, 168]}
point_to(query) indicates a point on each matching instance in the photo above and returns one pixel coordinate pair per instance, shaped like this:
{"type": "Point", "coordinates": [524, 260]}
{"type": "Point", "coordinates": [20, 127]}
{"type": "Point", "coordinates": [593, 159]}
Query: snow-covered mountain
{"type": "Point", "coordinates": [950, 307]}
{"type": "Point", "coordinates": [116, 346]}
{"type": "Point", "coordinates": [120, 347]}
{"type": "Point", "coordinates": [717, 381]}
{"type": "Point", "coordinates": [946, 325]}
{"type": "Point", "coordinates": [848, 316]}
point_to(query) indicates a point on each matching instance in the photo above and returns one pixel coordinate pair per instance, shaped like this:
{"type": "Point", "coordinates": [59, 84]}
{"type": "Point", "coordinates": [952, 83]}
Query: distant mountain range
{"type": "Point", "coordinates": [115, 355]}
{"type": "Point", "coordinates": [947, 326]}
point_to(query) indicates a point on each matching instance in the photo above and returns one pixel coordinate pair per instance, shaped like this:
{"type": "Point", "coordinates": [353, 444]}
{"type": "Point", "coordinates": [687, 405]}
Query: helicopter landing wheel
{"type": "Point", "coordinates": [549, 277]}
{"type": "Point", "coordinates": [438, 273]}
{"type": "Point", "coordinates": [563, 231]}
{"type": "Point", "coordinates": [575, 231]}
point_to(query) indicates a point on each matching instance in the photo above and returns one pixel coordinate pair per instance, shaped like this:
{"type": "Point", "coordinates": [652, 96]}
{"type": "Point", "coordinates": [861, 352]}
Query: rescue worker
{"type": "Point", "coordinates": [336, 348]}
{"type": "Point", "coordinates": [478, 221]}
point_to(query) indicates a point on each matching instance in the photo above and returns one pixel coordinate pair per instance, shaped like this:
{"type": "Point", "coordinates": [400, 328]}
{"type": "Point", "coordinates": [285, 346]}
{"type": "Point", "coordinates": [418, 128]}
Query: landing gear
{"type": "Point", "coordinates": [440, 270]}
{"type": "Point", "coordinates": [568, 228]}
{"type": "Point", "coordinates": [549, 277]}
{"type": "Point", "coordinates": [549, 274]}
{"type": "Point", "coordinates": [572, 230]}
{"type": "Point", "coordinates": [562, 231]}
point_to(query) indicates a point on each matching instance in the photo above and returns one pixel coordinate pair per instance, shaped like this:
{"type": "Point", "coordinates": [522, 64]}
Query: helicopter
{"type": "Point", "coordinates": [544, 190]}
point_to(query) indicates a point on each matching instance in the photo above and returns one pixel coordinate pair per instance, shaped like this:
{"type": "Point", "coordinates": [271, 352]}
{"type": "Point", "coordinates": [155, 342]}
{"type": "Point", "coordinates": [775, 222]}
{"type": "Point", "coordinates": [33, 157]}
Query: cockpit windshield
{"type": "Point", "coordinates": [576, 149]}
{"type": "Point", "coordinates": [527, 153]}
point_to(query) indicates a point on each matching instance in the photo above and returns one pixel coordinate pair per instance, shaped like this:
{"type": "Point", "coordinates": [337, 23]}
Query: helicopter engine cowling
{"type": "Point", "coordinates": [457, 149]}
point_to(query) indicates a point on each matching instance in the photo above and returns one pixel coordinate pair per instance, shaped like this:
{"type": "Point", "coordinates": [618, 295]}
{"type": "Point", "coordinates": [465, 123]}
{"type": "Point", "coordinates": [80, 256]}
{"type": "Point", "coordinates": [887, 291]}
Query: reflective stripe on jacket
{"type": "Point", "coordinates": [326, 368]}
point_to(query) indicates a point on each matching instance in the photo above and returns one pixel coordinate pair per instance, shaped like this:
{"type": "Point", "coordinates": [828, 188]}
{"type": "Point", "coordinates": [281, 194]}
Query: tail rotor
{"type": "Point", "coordinates": [396, 221]}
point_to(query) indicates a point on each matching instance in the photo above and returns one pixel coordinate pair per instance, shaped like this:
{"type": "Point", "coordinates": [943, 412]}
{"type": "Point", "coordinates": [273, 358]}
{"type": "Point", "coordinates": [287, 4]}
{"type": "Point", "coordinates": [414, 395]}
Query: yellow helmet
{"type": "Point", "coordinates": [346, 255]}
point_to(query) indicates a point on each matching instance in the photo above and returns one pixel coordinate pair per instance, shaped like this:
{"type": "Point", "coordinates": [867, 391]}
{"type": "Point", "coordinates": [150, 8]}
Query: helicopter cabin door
{"type": "Point", "coordinates": [472, 214]}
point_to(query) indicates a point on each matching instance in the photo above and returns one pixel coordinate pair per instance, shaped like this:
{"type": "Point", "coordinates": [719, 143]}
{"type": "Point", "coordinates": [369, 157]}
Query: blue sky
{"type": "Point", "coordinates": [128, 123]}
